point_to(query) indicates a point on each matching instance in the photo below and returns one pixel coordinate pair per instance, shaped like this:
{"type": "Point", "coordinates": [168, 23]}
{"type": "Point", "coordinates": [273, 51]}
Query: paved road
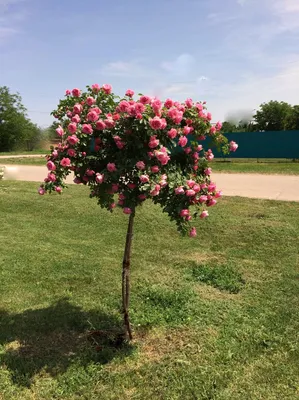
{"type": "Point", "coordinates": [276, 187]}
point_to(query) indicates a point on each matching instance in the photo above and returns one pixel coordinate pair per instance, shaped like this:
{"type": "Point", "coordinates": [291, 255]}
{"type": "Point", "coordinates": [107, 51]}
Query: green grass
{"type": "Point", "coordinates": [60, 271]}
{"type": "Point", "coordinates": [20, 152]}
{"type": "Point", "coordinates": [24, 161]}
{"type": "Point", "coordinates": [252, 166]}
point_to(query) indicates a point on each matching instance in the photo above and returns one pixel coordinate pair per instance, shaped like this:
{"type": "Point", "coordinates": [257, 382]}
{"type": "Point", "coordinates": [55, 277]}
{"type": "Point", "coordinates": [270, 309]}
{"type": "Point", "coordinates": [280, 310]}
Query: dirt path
{"type": "Point", "coordinates": [276, 187]}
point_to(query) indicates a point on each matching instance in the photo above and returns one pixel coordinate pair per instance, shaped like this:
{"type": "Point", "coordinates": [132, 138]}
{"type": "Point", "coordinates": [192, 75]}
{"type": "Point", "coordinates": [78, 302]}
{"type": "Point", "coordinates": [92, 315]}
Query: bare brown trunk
{"type": "Point", "coordinates": [126, 277]}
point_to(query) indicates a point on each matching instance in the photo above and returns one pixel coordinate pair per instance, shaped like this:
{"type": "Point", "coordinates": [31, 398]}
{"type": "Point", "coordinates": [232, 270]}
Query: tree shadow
{"type": "Point", "coordinates": [49, 340]}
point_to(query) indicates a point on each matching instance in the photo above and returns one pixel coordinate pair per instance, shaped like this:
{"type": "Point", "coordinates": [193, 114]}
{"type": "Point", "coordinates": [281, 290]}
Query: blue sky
{"type": "Point", "coordinates": [235, 54]}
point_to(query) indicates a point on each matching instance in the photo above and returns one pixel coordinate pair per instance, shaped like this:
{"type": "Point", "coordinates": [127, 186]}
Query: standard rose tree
{"type": "Point", "coordinates": [128, 151]}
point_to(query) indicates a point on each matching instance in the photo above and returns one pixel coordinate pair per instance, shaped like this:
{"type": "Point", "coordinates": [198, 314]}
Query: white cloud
{"type": "Point", "coordinates": [248, 94]}
{"type": "Point", "coordinates": [181, 66]}
{"type": "Point", "coordinates": [10, 19]}
{"type": "Point", "coordinates": [241, 2]}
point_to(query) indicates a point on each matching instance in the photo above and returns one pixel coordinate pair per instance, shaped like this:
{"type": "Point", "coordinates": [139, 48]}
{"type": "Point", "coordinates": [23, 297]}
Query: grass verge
{"type": "Point", "coordinates": [60, 266]}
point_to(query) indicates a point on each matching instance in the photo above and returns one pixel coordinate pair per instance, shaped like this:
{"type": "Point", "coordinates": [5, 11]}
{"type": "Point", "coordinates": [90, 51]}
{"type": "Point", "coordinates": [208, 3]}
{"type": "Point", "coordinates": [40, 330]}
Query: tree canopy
{"type": "Point", "coordinates": [16, 129]}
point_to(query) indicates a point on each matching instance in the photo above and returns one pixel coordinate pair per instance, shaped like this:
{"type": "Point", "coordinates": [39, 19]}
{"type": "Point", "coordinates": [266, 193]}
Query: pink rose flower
{"type": "Point", "coordinates": [204, 214]}
{"type": "Point", "coordinates": [212, 130]}
{"type": "Point", "coordinates": [100, 125]}
{"type": "Point", "coordinates": [187, 150]}
{"type": "Point", "coordinates": [196, 188]}
{"type": "Point", "coordinates": [199, 147]}
{"type": "Point", "coordinates": [218, 194]}
{"type": "Point", "coordinates": [179, 190]}
{"type": "Point", "coordinates": [76, 119]}
{"type": "Point", "coordinates": [140, 165]}
{"type": "Point", "coordinates": [211, 187]}
{"type": "Point", "coordinates": [107, 88]}
{"type": "Point", "coordinates": [77, 109]}
{"type": "Point", "coordinates": [109, 123]}
{"type": "Point", "coordinates": [67, 92]}
{"type": "Point", "coordinates": [72, 127]}
{"type": "Point", "coordinates": [90, 100]}
{"type": "Point", "coordinates": [209, 116]}
{"type": "Point", "coordinates": [54, 153]}
{"type": "Point", "coordinates": [58, 189]}
{"type": "Point", "coordinates": [233, 146]}
{"type": "Point", "coordinates": [155, 123]}
{"type": "Point", "coordinates": [77, 180]}
{"type": "Point", "coordinates": [142, 197]}
{"type": "Point", "coordinates": [51, 177]}
{"type": "Point", "coordinates": [172, 133]}
{"type": "Point", "coordinates": [182, 141]}
{"type": "Point", "coordinates": [97, 110]}
{"type": "Point", "coordinates": [190, 183]}
{"type": "Point", "coordinates": [76, 92]}
{"type": "Point", "coordinates": [41, 191]}
{"type": "Point", "coordinates": [155, 169]}
{"type": "Point", "coordinates": [218, 126]}
{"type": "Point", "coordinates": [87, 128]}
{"type": "Point", "coordinates": [95, 87]}
{"type": "Point", "coordinates": [114, 187]}
{"type": "Point", "coordinates": [208, 171]}
{"type": "Point", "coordinates": [168, 103]}
{"type": "Point", "coordinates": [144, 178]}
{"type": "Point", "coordinates": [92, 116]}
{"type": "Point", "coordinates": [162, 156]}
{"type": "Point", "coordinates": [112, 205]}
{"type": "Point", "coordinates": [60, 131]}
{"type": "Point", "coordinates": [184, 213]}
{"type": "Point", "coordinates": [51, 166]}
{"type": "Point", "coordinates": [190, 192]}
{"type": "Point", "coordinates": [203, 198]}
{"type": "Point", "coordinates": [72, 140]}
{"type": "Point", "coordinates": [123, 106]}
{"type": "Point", "coordinates": [154, 142]}
{"type": "Point", "coordinates": [145, 99]}
{"type": "Point", "coordinates": [193, 232]}
{"type": "Point", "coordinates": [130, 93]}
{"type": "Point", "coordinates": [65, 162]}
{"type": "Point", "coordinates": [111, 167]}
{"type": "Point", "coordinates": [90, 172]}
{"type": "Point", "coordinates": [127, 210]}
{"type": "Point", "coordinates": [131, 186]}
{"type": "Point", "coordinates": [199, 106]}
{"type": "Point", "coordinates": [187, 130]}
{"type": "Point", "coordinates": [189, 103]}
{"type": "Point", "coordinates": [99, 178]}
{"type": "Point", "coordinates": [71, 153]}
{"type": "Point", "coordinates": [139, 108]}
{"type": "Point", "coordinates": [211, 202]}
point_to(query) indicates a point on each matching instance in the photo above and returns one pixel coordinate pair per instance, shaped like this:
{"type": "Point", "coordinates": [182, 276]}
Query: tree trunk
{"type": "Point", "coordinates": [126, 277]}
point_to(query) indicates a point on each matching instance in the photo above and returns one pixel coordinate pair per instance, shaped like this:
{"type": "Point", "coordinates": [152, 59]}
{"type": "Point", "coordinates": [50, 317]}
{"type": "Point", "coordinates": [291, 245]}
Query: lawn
{"type": "Point", "coordinates": [254, 166]}
{"type": "Point", "coordinates": [215, 317]}
{"type": "Point", "coordinates": [238, 166]}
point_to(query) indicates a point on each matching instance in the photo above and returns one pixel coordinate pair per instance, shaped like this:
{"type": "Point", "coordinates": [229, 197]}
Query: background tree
{"type": "Point", "coordinates": [272, 116]}
{"type": "Point", "coordinates": [16, 130]}
{"type": "Point", "coordinates": [292, 119]}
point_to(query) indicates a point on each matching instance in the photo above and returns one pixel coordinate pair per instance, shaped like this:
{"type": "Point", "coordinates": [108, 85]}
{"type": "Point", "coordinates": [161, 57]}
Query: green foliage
{"type": "Point", "coordinates": [272, 116]}
{"type": "Point", "coordinates": [222, 277]}
{"type": "Point", "coordinates": [16, 130]}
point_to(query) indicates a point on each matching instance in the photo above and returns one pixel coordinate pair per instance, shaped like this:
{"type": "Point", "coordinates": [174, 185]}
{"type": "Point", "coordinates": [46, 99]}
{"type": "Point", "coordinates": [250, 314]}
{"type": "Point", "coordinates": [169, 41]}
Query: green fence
{"type": "Point", "coordinates": [276, 144]}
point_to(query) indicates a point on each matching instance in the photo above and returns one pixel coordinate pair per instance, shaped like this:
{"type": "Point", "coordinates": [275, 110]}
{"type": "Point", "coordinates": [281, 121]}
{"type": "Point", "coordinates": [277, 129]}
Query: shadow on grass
{"type": "Point", "coordinates": [51, 339]}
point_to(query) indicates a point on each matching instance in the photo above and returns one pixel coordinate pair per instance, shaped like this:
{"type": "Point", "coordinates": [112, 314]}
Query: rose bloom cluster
{"type": "Point", "coordinates": [129, 150]}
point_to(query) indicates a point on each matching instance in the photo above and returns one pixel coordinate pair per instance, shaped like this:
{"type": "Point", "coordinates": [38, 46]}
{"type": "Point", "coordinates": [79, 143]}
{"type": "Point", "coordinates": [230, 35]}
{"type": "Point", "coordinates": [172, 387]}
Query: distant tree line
{"type": "Point", "coordinates": [271, 116]}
